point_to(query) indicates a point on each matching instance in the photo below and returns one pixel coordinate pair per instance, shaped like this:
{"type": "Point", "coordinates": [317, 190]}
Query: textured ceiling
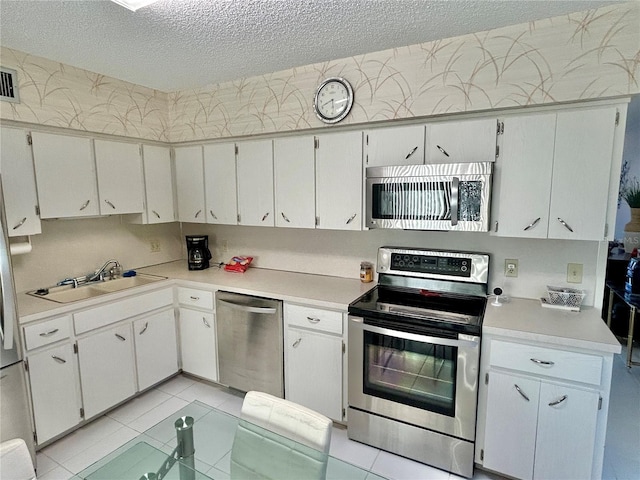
{"type": "Point", "coordinates": [180, 44]}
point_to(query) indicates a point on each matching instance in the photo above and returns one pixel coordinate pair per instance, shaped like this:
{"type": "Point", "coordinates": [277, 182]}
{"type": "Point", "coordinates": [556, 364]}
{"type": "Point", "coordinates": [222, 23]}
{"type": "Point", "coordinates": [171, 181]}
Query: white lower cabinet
{"type": "Point", "coordinates": [107, 368]}
{"type": "Point", "coordinates": [156, 347]}
{"type": "Point", "coordinates": [314, 359]}
{"type": "Point", "coordinates": [198, 348]}
{"type": "Point", "coordinates": [55, 395]}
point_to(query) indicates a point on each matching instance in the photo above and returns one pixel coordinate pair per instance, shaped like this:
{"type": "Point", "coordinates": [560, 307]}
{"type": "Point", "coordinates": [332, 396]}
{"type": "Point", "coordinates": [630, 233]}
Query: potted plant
{"type": "Point", "coordinates": [630, 192]}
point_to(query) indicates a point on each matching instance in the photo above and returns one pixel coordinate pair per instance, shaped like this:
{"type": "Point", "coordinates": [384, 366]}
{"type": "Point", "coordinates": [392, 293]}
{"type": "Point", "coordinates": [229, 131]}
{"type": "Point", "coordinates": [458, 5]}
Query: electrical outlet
{"type": "Point", "coordinates": [155, 246]}
{"type": "Point", "coordinates": [225, 246]}
{"type": "Point", "coordinates": [574, 273]}
{"type": "Point", "coordinates": [511, 267]}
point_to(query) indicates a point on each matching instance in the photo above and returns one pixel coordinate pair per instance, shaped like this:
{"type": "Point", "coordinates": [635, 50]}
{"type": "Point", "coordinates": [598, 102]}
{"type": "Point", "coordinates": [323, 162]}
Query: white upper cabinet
{"type": "Point", "coordinates": [255, 183]}
{"type": "Point", "coordinates": [158, 181]}
{"type": "Point", "coordinates": [190, 184]}
{"type": "Point", "coordinates": [119, 171]}
{"type": "Point", "coordinates": [581, 171]}
{"type": "Point", "coordinates": [65, 175]}
{"type": "Point", "coordinates": [522, 176]}
{"type": "Point", "coordinates": [394, 146]}
{"type": "Point", "coordinates": [294, 177]}
{"type": "Point", "coordinates": [461, 141]}
{"type": "Point", "coordinates": [18, 183]}
{"type": "Point", "coordinates": [339, 181]}
{"type": "Point", "coordinates": [220, 183]}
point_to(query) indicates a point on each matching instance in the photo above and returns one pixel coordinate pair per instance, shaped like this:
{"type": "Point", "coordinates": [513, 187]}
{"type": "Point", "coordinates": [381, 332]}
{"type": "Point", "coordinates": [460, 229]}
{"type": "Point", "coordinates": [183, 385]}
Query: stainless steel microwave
{"type": "Point", "coordinates": [452, 196]}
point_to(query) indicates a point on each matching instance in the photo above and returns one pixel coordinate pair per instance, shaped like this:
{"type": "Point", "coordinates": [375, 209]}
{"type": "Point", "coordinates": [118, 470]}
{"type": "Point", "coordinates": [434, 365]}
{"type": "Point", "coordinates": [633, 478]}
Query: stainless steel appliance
{"type": "Point", "coordinates": [453, 196]}
{"type": "Point", "coordinates": [15, 416]}
{"type": "Point", "coordinates": [198, 253]}
{"type": "Point", "coordinates": [250, 343]}
{"type": "Point", "coordinates": [414, 349]}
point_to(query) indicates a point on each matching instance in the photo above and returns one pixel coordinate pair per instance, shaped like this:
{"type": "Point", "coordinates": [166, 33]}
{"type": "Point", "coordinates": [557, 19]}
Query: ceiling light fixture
{"type": "Point", "coordinates": [134, 5]}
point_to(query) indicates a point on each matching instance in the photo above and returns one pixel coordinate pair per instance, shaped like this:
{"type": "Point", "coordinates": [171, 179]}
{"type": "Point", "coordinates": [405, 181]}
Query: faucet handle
{"type": "Point", "coordinates": [116, 271]}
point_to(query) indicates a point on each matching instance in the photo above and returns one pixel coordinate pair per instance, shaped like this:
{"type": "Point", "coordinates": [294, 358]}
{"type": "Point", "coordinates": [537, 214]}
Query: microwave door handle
{"type": "Point", "coordinates": [455, 183]}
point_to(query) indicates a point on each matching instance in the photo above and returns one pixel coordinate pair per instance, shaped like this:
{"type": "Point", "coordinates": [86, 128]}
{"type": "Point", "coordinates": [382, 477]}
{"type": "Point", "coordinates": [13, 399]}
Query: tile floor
{"type": "Point", "coordinates": [75, 452]}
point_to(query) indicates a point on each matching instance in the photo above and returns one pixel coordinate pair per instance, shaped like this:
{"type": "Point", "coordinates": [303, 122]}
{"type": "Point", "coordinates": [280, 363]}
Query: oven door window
{"type": "Point", "coordinates": [418, 374]}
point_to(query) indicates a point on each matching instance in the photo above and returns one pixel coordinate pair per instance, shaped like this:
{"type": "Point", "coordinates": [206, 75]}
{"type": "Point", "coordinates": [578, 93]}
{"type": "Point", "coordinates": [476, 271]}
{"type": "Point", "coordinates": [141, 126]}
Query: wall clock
{"type": "Point", "coordinates": [333, 100]}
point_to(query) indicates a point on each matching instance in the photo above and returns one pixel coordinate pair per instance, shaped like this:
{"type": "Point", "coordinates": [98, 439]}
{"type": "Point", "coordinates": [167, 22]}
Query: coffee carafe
{"type": "Point", "coordinates": [198, 254]}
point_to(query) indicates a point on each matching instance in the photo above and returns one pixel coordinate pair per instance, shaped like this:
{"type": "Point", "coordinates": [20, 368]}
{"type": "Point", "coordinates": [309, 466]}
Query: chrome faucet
{"type": "Point", "coordinates": [100, 273]}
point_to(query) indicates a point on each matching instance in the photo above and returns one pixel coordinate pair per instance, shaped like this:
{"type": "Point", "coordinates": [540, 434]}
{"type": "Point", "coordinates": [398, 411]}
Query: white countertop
{"type": "Point", "coordinates": [527, 320]}
{"type": "Point", "coordinates": [316, 290]}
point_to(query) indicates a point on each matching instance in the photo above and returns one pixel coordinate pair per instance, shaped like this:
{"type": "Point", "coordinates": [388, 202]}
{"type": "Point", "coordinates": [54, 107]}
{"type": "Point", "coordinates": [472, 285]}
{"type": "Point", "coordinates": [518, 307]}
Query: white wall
{"type": "Point", "coordinates": [327, 252]}
{"type": "Point", "coordinates": [631, 155]}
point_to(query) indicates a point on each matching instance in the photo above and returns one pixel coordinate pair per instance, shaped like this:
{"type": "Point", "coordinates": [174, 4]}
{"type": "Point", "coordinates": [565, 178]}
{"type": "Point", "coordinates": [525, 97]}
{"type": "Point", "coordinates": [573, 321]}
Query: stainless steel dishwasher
{"type": "Point", "coordinates": [250, 343]}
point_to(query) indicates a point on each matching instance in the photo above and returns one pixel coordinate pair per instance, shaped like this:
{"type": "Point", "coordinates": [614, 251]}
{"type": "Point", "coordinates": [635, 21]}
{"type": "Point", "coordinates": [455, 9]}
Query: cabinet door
{"type": "Point", "coordinates": [510, 432]}
{"type": "Point", "coordinates": [394, 146]}
{"type": "Point", "coordinates": [119, 171]}
{"type": "Point", "coordinates": [255, 183]}
{"type": "Point", "coordinates": [567, 420]}
{"type": "Point", "coordinates": [339, 181]}
{"type": "Point", "coordinates": [18, 183]}
{"type": "Point", "coordinates": [190, 184]}
{"type": "Point", "coordinates": [581, 170]}
{"type": "Point", "coordinates": [313, 371]}
{"type": "Point", "coordinates": [294, 178]}
{"type": "Point", "coordinates": [158, 179]}
{"type": "Point", "coordinates": [57, 157]}
{"type": "Point", "coordinates": [198, 344]}
{"type": "Point", "coordinates": [55, 391]}
{"type": "Point", "coordinates": [462, 141]}
{"type": "Point", "coordinates": [522, 177]}
{"type": "Point", "coordinates": [107, 369]}
{"type": "Point", "coordinates": [156, 348]}
{"type": "Point", "coordinates": [220, 183]}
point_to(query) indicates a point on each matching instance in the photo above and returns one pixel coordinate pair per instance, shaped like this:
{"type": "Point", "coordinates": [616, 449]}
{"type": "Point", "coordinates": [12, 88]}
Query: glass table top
{"type": "Point", "coordinates": [225, 447]}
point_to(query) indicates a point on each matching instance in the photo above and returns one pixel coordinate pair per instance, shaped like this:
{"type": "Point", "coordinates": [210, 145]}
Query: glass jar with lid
{"type": "Point", "coordinates": [366, 272]}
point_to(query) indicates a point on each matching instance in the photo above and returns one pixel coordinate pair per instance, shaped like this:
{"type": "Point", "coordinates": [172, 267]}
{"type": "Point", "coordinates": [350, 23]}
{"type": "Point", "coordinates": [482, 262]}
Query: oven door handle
{"type": "Point", "coordinates": [462, 341]}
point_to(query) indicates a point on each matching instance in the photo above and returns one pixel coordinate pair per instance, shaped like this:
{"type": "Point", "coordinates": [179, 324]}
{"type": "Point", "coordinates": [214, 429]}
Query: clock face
{"type": "Point", "coordinates": [334, 99]}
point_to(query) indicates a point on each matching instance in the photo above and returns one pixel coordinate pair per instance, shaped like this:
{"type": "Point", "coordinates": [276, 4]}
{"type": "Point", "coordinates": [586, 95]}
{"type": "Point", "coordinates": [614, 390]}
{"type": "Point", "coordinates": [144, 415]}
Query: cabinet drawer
{"type": "Point", "coordinates": [121, 309]}
{"type": "Point", "coordinates": [47, 332]}
{"type": "Point", "coordinates": [324, 320]}
{"type": "Point", "coordinates": [191, 297]}
{"type": "Point", "coordinates": [573, 366]}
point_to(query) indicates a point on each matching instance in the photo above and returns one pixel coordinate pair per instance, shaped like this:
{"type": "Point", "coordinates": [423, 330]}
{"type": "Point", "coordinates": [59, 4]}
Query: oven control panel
{"type": "Point", "coordinates": [439, 264]}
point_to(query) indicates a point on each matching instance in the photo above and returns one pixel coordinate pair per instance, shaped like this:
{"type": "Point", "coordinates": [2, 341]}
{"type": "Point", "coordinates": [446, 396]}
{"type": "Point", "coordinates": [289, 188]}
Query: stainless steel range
{"type": "Point", "coordinates": [414, 351]}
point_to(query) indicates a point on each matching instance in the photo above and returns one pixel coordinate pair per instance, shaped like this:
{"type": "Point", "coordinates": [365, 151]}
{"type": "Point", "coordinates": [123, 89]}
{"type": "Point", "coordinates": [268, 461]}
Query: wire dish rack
{"type": "Point", "coordinates": [563, 298]}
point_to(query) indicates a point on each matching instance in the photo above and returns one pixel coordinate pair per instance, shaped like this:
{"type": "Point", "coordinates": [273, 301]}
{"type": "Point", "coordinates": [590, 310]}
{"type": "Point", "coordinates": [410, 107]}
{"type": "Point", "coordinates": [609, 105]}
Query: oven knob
{"type": "Point", "coordinates": [463, 269]}
{"type": "Point", "coordinates": [401, 263]}
{"type": "Point", "coordinates": [406, 258]}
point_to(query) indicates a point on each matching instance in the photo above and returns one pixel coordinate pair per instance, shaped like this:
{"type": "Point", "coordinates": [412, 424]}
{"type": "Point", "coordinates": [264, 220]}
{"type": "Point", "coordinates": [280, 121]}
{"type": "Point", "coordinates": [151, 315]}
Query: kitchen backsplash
{"type": "Point", "coordinates": [580, 56]}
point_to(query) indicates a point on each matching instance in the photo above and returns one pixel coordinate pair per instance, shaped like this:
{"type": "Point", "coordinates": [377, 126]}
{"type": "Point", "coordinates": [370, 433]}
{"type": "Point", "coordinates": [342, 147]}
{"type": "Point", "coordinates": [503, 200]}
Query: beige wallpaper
{"type": "Point", "coordinates": [580, 56]}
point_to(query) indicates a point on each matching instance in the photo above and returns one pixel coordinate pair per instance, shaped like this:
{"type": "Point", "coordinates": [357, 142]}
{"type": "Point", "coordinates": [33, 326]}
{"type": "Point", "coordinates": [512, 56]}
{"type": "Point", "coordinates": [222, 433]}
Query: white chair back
{"type": "Point", "coordinates": [15, 460]}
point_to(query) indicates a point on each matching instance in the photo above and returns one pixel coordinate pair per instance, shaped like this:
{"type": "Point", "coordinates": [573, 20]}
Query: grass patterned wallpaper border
{"type": "Point", "coordinates": [580, 56]}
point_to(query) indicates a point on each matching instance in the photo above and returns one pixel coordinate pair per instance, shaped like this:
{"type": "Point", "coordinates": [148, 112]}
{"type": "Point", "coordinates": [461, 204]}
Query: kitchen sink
{"type": "Point", "coordinates": [67, 293]}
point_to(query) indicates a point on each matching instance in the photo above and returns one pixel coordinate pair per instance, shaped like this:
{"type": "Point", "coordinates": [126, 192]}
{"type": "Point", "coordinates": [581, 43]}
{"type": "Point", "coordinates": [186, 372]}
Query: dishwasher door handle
{"type": "Point", "coordinates": [245, 308]}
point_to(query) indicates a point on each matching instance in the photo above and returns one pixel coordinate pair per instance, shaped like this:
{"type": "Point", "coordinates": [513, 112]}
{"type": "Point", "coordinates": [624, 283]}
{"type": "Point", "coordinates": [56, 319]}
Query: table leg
{"type": "Point", "coordinates": [610, 311]}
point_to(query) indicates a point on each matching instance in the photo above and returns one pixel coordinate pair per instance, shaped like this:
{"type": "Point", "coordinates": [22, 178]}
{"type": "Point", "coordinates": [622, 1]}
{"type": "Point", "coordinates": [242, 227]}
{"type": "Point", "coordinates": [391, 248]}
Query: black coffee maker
{"type": "Point", "coordinates": [198, 254]}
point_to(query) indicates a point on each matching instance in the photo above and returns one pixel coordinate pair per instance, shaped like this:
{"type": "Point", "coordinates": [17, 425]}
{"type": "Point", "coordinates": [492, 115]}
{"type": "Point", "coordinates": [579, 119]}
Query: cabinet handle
{"type": "Point", "coordinates": [296, 343]}
{"type": "Point", "coordinates": [198, 213]}
{"type": "Point", "coordinates": [351, 218]}
{"type": "Point", "coordinates": [206, 324]}
{"type": "Point", "coordinates": [532, 224]}
{"type": "Point", "coordinates": [264, 217]}
{"type": "Point", "coordinates": [521, 392]}
{"type": "Point", "coordinates": [49, 333]}
{"type": "Point", "coordinates": [542, 362]}
{"type": "Point", "coordinates": [110, 204]}
{"type": "Point", "coordinates": [558, 402]}
{"type": "Point", "coordinates": [411, 152]}
{"type": "Point", "coordinates": [313, 320]}
{"type": "Point", "coordinates": [58, 359]}
{"type": "Point", "coordinates": [194, 298]}
{"type": "Point", "coordinates": [85, 205]}
{"type": "Point", "coordinates": [144, 329]}
{"type": "Point", "coordinates": [20, 223]}
{"type": "Point", "coordinates": [565, 224]}
{"type": "Point", "coordinates": [285, 217]}
{"type": "Point", "coordinates": [442, 150]}
{"type": "Point", "coordinates": [155, 213]}
{"type": "Point", "coordinates": [213, 214]}
{"type": "Point", "coordinates": [120, 337]}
